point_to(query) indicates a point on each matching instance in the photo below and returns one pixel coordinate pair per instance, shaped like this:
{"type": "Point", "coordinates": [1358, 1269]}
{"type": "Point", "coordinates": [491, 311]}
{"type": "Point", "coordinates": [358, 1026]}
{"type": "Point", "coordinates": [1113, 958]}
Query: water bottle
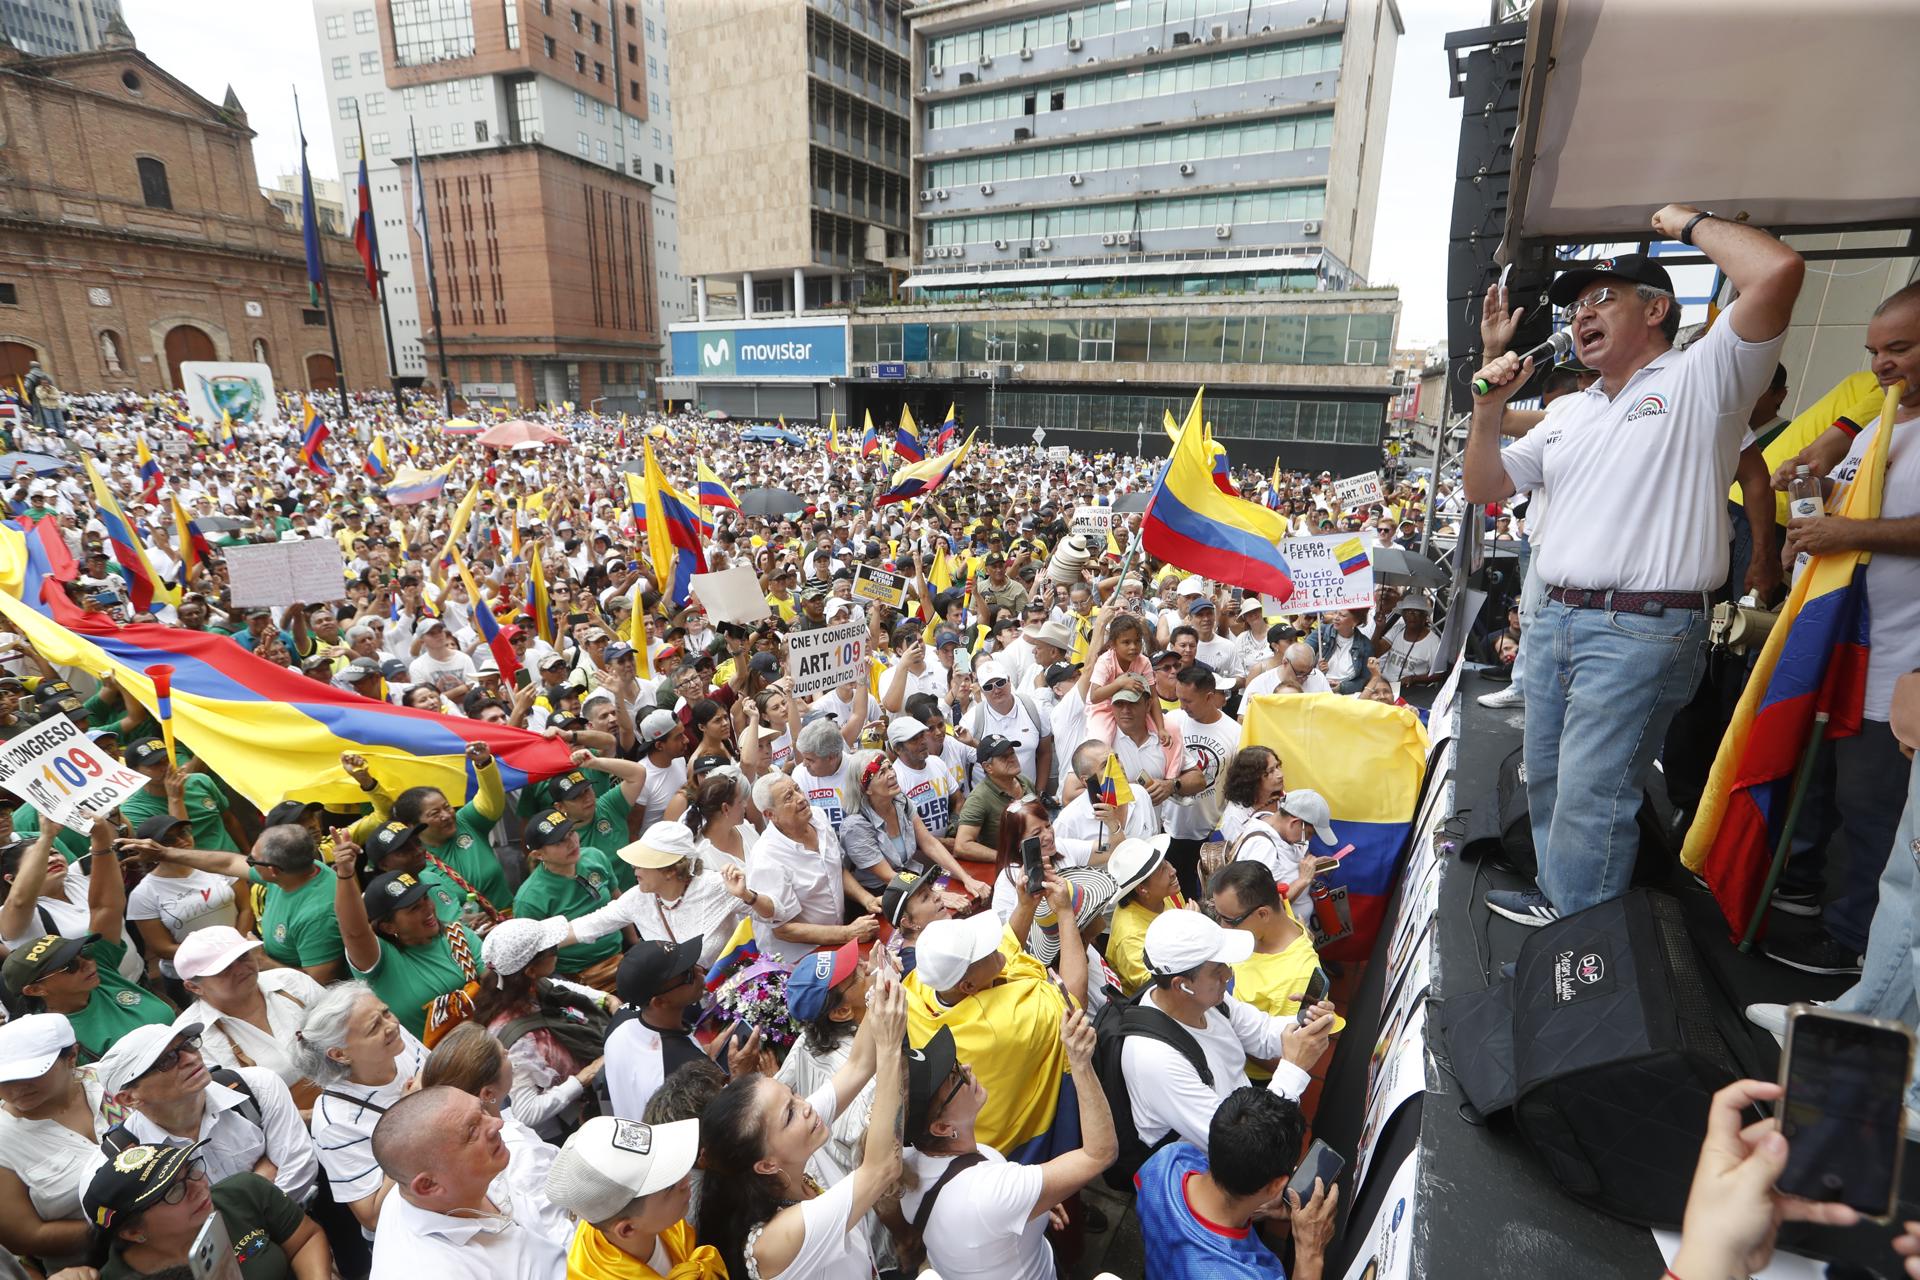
{"type": "Point", "coordinates": [470, 913]}
{"type": "Point", "coordinates": [1804, 499]}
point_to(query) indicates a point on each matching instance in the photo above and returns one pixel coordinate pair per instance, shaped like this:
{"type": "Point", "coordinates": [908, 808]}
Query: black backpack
{"type": "Point", "coordinates": [119, 1137]}
{"type": "Point", "coordinates": [1118, 1020]}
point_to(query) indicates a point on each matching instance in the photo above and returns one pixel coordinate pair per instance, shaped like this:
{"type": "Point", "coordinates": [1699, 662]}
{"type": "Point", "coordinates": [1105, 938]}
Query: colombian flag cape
{"type": "Point", "coordinates": [1815, 660]}
{"type": "Point", "coordinates": [1368, 760]}
{"type": "Point", "coordinates": [270, 733]}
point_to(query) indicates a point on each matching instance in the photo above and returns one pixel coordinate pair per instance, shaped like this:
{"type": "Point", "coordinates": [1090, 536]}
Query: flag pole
{"type": "Point", "coordinates": [326, 285]}
{"type": "Point", "coordinates": [1802, 779]}
{"type": "Point", "coordinates": [380, 272]}
{"type": "Point", "coordinates": [426, 247]}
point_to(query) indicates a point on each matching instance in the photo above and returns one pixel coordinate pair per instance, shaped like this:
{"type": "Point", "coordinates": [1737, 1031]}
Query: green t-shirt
{"type": "Point", "coordinates": [26, 825]}
{"type": "Point", "coordinates": [298, 928]}
{"type": "Point", "coordinates": [449, 899]}
{"type": "Point", "coordinates": [259, 1217]}
{"type": "Point", "coordinates": [984, 807]}
{"type": "Point", "coordinates": [410, 978]}
{"type": "Point", "coordinates": [205, 805]}
{"type": "Point", "coordinates": [116, 1005]}
{"type": "Point", "coordinates": [470, 854]}
{"type": "Point", "coordinates": [606, 835]}
{"type": "Point", "coordinates": [545, 894]}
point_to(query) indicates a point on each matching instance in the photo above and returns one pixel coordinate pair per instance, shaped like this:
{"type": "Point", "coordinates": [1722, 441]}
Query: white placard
{"type": "Point", "coordinates": [1386, 1250]}
{"type": "Point", "coordinates": [1060, 453]}
{"type": "Point", "coordinates": [1400, 1076]}
{"type": "Point", "coordinates": [731, 595]}
{"type": "Point", "coordinates": [1094, 520]}
{"type": "Point", "coordinates": [1320, 582]}
{"type": "Point", "coordinates": [306, 571]}
{"type": "Point", "coordinates": [1359, 491]}
{"type": "Point", "coordinates": [55, 769]}
{"type": "Point", "coordinates": [823, 660]}
{"type": "Point", "coordinates": [879, 586]}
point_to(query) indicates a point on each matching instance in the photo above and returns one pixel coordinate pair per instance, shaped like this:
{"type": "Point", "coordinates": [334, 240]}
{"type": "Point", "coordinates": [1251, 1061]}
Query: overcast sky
{"type": "Point", "coordinates": [268, 50]}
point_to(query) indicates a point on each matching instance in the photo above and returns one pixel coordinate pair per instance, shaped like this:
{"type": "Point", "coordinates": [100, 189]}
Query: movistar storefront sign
{"type": "Point", "coordinates": [785, 350]}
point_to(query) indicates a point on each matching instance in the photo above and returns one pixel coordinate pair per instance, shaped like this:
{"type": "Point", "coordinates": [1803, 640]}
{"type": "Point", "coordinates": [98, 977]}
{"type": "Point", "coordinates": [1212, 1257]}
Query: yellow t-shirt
{"type": "Point", "coordinates": [1127, 946]}
{"type": "Point", "coordinates": [1010, 1035]}
{"type": "Point", "coordinates": [1274, 983]}
{"type": "Point", "coordinates": [594, 1257]}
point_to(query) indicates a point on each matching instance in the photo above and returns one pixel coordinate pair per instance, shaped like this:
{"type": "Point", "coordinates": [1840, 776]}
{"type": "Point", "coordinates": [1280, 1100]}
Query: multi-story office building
{"type": "Point", "coordinates": [1117, 201]}
{"type": "Point", "coordinates": [329, 202]}
{"type": "Point", "coordinates": [44, 27]}
{"type": "Point", "coordinates": [544, 130]}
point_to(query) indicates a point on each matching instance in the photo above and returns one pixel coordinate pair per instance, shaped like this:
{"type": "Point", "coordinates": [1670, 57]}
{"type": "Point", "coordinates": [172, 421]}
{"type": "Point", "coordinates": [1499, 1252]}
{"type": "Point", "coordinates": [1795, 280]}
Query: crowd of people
{"type": "Point", "coordinates": [765, 984]}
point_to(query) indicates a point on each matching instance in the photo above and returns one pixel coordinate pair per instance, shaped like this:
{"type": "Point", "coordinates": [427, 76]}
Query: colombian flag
{"type": "Point", "coordinates": [227, 702]}
{"type": "Point", "coordinates": [411, 486]}
{"type": "Point", "coordinates": [1368, 760]}
{"type": "Point", "coordinates": [378, 465]}
{"type": "Point", "coordinates": [228, 441]}
{"type": "Point", "coordinates": [714, 491]}
{"type": "Point", "coordinates": [1352, 556]}
{"type": "Point", "coordinates": [1192, 525]}
{"type": "Point", "coordinates": [1113, 787]}
{"type": "Point", "coordinates": [918, 479]}
{"type": "Point", "coordinates": [150, 477]}
{"type": "Point", "coordinates": [943, 438]}
{"type": "Point", "coordinates": [189, 541]}
{"type": "Point", "coordinates": [871, 440]}
{"type": "Point", "coordinates": [906, 439]}
{"type": "Point", "coordinates": [143, 584]}
{"type": "Point", "coordinates": [673, 531]}
{"type": "Point", "coordinates": [1815, 661]}
{"type": "Point", "coordinates": [637, 500]}
{"type": "Point", "coordinates": [489, 627]}
{"type": "Point", "coordinates": [313, 434]}
{"type": "Point", "coordinates": [539, 603]}
{"type": "Point", "coordinates": [833, 433]}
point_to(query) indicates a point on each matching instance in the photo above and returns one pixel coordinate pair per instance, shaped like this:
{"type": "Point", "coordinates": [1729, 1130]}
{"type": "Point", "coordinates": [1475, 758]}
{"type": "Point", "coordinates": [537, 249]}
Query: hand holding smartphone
{"type": "Point", "coordinates": [1322, 1162]}
{"type": "Point", "coordinates": [1843, 1111]}
{"type": "Point", "coordinates": [1036, 870]}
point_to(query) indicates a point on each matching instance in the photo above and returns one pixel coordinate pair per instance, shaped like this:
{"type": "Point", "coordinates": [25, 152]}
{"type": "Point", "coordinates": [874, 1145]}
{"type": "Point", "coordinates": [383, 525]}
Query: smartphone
{"type": "Point", "coordinates": [963, 662]}
{"type": "Point", "coordinates": [1317, 987]}
{"type": "Point", "coordinates": [210, 1256]}
{"type": "Point", "coordinates": [1844, 1111]}
{"type": "Point", "coordinates": [1036, 869]}
{"type": "Point", "coordinates": [1322, 1162]}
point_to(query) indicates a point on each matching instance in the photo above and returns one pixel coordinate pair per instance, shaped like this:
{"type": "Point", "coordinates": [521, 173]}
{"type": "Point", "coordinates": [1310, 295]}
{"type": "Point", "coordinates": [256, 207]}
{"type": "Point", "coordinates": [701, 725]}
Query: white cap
{"type": "Point", "coordinates": [608, 1163]}
{"type": "Point", "coordinates": [656, 726]}
{"type": "Point", "coordinates": [1311, 808]}
{"type": "Point", "coordinates": [1134, 859]}
{"type": "Point", "coordinates": [1191, 586]}
{"type": "Point", "coordinates": [948, 948]}
{"type": "Point", "coordinates": [1252, 604]}
{"type": "Point", "coordinates": [664, 844]}
{"type": "Point", "coordinates": [30, 1045]}
{"type": "Point", "coordinates": [903, 729]}
{"type": "Point", "coordinates": [134, 1054]}
{"type": "Point", "coordinates": [836, 606]}
{"type": "Point", "coordinates": [988, 670]}
{"type": "Point", "coordinates": [210, 950]}
{"type": "Point", "coordinates": [1180, 941]}
{"type": "Point", "coordinates": [512, 944]}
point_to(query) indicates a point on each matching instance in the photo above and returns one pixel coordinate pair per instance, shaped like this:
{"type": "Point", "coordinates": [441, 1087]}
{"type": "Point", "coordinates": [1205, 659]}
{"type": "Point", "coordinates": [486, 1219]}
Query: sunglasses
{"type": "Point", "coordinates": [171, 1058]}
{"type": "Point", "coordinates": [1228, 922]}
{"type": "Point", "coordinates": [991, 685]}
{"type": "Point", "coordinates": [70, 967]}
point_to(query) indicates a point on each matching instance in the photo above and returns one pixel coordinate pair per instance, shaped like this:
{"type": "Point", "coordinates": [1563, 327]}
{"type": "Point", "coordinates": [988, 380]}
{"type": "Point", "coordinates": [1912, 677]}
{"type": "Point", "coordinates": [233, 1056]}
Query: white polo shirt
{"type": "Point", "coordinates": [1645, 475]}
{"type": "Point", "coordinates": [1893, 582]}
{"type": "Point", "coordinates": [804, 885]}
{"type": "Point", "coordinates": [412, 1242]}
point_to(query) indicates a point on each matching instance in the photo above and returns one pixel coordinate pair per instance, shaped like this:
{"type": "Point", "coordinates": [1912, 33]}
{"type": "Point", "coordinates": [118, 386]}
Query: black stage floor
{"type": "Point", "coordinates": [1486, 1204]}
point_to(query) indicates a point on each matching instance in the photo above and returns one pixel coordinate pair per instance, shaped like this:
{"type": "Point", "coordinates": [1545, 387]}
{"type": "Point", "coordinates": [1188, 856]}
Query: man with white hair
{"type": "Point", "coordinates": [1296, 673]}
{"type": "Point", "coordinates": [799, 880]}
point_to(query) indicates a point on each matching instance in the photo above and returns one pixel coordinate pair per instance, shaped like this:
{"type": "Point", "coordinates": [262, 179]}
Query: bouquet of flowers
{"type": "Point", "coordinates": [757, 996]}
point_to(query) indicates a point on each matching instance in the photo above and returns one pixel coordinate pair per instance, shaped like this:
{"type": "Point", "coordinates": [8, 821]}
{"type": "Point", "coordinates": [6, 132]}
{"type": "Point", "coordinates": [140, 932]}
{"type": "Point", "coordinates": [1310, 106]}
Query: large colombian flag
{"type": "Point", "coordinates": [918, 479]}
{"type": "Point", "coordinates": [143, 584]}
{"type": "Point", "coordinates": [1367, 759]}
{"type": "Point", "coordinates": [673, 530]}
{"type": "Point", "coordinates": [270, 733]}
{"type": "Point", "coordinates": [1194, 526]}
{"type": "Point", "coordinates": [1815, 660]}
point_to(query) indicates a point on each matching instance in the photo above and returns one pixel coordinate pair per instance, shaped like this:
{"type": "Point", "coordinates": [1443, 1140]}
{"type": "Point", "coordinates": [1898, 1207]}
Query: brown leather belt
{"type": "Point", "coordinates": [1652, 603]}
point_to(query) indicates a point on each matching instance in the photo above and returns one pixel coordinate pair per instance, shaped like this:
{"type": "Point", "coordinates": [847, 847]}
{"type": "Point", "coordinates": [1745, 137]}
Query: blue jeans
{"type": "Point", "coordinates": [1601, 689]}
{"type": "Point", "coordinates": [1889, 985]}
{"type": "Point", "coordinates": [1533, 593]}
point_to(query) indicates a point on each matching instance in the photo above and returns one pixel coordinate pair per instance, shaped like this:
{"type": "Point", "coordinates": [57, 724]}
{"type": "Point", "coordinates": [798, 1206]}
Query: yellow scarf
{"type": "Point", "coordinates": [594, 1257]}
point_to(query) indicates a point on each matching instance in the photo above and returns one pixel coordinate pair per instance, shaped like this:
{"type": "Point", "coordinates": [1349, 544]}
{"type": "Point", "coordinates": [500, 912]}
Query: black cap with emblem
{"type": "Point", "coordinates": [391, 892]}
{"type": "Point", "coordinates": [928, 1068]}
{"type": "Point", "coordinates": [1636, 267]}
{"type": "Point", "coordinates": [134, 1179]}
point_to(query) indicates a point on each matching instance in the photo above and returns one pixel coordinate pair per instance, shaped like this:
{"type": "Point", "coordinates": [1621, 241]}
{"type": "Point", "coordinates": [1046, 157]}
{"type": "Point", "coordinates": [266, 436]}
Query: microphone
{"type": "Point", "coordinates": [1555, 346]}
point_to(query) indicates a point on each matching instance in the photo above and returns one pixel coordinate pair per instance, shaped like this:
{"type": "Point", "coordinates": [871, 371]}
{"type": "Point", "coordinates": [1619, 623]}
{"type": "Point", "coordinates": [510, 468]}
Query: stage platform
{"type": "Point", "coordinates": [1440, 1191]}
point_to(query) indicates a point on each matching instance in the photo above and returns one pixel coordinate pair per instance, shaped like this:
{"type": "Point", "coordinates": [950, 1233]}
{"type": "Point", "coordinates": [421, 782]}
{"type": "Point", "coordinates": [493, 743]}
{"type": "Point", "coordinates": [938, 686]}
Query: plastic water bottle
{"type": "Point", "coordinates": [1804, 499]}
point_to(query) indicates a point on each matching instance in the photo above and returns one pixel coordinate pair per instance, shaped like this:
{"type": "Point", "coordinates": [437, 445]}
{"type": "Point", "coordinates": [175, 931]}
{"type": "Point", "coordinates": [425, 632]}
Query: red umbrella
{"type": "Point", "coordinates": [517, 431]}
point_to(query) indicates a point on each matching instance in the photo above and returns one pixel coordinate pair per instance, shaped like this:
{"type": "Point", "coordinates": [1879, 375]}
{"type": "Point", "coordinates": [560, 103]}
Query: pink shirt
{"type": "Point", "coordinates": [1106, 669]}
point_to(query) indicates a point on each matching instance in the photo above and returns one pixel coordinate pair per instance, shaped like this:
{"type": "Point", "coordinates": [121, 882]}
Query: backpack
{"type": "Point", "coordinates": [119, 1137]}
{"type": "Point", "coordinates": [1118, 1020]}
{"type": "Point", "coordinates": [1042, 725]}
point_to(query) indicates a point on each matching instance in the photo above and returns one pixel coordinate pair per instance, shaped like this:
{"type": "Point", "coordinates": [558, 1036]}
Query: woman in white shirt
{"type": "Point", "coordinates": [768, 1224]}
{"type": "Point", "coordinates": [50, 1127]}
{"type": "Point", "coordinates": [353, 1047]}
{"type": "Point", "coordinates": [173, 899]}
{"type": "Point", "coordinates": [676, 896]}
{"type": "Point", "coordinates": [248, 1016]}
{"type": "Point", "coordinates": [717, 816]}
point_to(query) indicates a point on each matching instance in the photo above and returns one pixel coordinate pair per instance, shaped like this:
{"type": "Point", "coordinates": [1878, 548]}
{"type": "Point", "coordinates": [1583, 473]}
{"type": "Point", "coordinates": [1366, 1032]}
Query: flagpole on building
{"type": "Point", "coordinates": [421, 227]}
{"type": "Point", "coordinates": [380, 272]}
{"type": "Point", "coordinates": [317, 261]}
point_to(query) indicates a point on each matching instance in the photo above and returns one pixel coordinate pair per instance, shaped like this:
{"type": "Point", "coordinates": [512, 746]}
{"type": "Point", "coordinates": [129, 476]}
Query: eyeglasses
{"type": "Point", "coordinates": [171, 1058]}
{"type": "Point", "coordinates": [1228, 922]}
{"type": "Point", "coordinates": [70, 967]}
{"type": "Point", "coordinates": [196, 1171]}
{"type": "Point", "coordinates": [960, 1076]}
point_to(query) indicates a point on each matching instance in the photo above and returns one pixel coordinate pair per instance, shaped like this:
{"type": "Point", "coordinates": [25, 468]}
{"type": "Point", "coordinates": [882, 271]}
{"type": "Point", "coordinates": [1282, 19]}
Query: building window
{"type": "Point", "coordinates": [633, 53]}
{"type": "Point", "coordinates": [433, 95]}
{"type": "Point", "coordinates": [436, 137]}
{"type": "Point", "coordinates": [353, 146]}
{"type": "Point", "coordinates": [653, 67]}
{"type": "Point", "coordinates": [511, 9]}
{"type": "Point", "coordinates": [378, 143]}
{"type": "Point", "coordinates": [409, 98]}
{"type": "Point", "coordinates": [577, 25]}
{"type": "Point", "coordinates": [479, 130]}
{"type": "Point", "coordinates": [375, 104]}
{"type": "Point", "coordinates": [369, 62]}
{"type": "Point", "coordinates": [363, 21]}
{"type": "Point", "coordinates": [346, 108]}
{"type": "Point", "coordinates": [427, 31]}
{"type": "Point", "coordinates": [547, 45]}
{"type": "Point", "coordinates": [459, 133]}
{"type": "Point", "coordinates": [649, 22]}
{"type": "Point", "coordinates": [9, 295]}
{"type": "Point", "coordinates": [579, 103]}
{"type": "Point", "coordinates": [342, 68]}
{"type": "Point", "coordinates": [599, 113]}
{"type": "Point", "coordinates": [656, 138]}
{"type": "Point", "coordinates": [523, 110]}
{"type": "Point", "coordinates": [583, 145]}
{"type": "Point", "coordinates": [599, 73]}
{"type": "Point", "coordinates": [654, 100]}
{"type": "Point", "coordinates": [579, 61]}
{"type": "Point", "coordinates": [336, 26]}
{"type": "Point", "coordinates": [153, 183]}
{"type": "Point", "coordinates": [658, 175]}
{"type": "Point", "coordinates": [453, 93]}
{"type": "Point", "coordinates": [313, 317]}
{"type": "Point", "coordinates": [596, 33]}
{"type": "Point", "coordinates": [600, 150]}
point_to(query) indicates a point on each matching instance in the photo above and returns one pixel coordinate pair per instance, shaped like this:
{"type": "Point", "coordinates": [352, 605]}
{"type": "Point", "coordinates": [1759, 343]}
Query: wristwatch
{"type": "Point", "coordinates": [1686, 232]}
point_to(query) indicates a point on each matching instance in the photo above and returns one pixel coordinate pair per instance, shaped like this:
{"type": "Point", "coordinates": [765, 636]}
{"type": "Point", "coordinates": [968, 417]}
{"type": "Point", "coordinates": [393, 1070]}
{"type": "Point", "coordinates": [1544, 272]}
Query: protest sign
{"type": "Point", "coordinates": [1092, 520]}
{"type": "Point", "coordinates": [1359, 491]}
{"type": "Point", "coordinates": [879, 586]}
{"type": "Point", "coordinates": [731, 595]}
{"type": "Point", "coordinates": [307, 571]}
{"type": "Point", "coordinates": [56, 770]}
{"type": "Point", "coordinates": [1331, 571]}
{"type": "Point", "coordinates": [823, 660]}
{"type": "Point", "coordinates": [1060, 453]}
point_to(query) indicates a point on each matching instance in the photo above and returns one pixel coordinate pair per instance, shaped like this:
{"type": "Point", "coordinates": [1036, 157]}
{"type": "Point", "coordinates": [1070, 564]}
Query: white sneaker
{"type": "Point", "coordinates": [1500, 699]}
{"type": "Point", "coordinates": [1772, 1019]}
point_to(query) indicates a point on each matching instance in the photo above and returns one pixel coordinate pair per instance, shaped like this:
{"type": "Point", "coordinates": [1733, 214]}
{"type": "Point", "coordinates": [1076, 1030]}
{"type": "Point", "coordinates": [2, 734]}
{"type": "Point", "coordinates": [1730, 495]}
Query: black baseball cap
{"type": "Point", "coordinates": [569, 785]}
{"type": "Point", "coordinates": [549, 828]}
{"type": "Point", "coordinates": [44, 955]}
{"type": "Point", "coordinates": [928, 1068]}
{"type": "Point", "coordinates": [388, 840]}
{"type": "Point", "coordinates": [156, 825]}
{"type": "Point", "coordinates": [390, 892]}
{"type": "Point", "coordinates": [994, 745]}
{"type": "Point", "coordinates": [1061, 671]}
{"type": "Point", "coordinates": [132, 1180]}
{"type": "Point", "coordinates": [290, 812]}
{"type": "Point", "coordinates": [652, 967]}
{"type": "Point", "coordinates": [147, 751]}
{"type": "Point", "coordinates": [1637, 267]}
{"type": "Point", "coordinates": [47, 690]}
{"type": "Point", "coordinates": [900, 891]}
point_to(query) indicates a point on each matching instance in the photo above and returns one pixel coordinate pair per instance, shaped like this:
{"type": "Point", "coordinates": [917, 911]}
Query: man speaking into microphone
{"type": "Point", "coordinates": [1636, 469]}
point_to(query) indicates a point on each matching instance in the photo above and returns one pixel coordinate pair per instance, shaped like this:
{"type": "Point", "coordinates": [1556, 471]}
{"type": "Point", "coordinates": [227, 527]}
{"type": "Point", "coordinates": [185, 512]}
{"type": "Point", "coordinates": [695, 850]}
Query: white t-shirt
{"type": "Point", "coordinates": [1069, 730]}
{"type": "Point", "coordinates": [1209, 748]}
{"type": "Point", "coordinates": [1406, 657]}
{"type": "Point", "coordinates": [1168, 1094]}
{"type": "Point", "coordinates": [662, 781]}
{"type": "Point", "coordinates": [832, 1247]}
{"type": "Point", "coordinates": [1655, 461]}
{"type": "Point", "coordinates": [1269, 682]}
{"type": "Point", "coordinates": [834, 795]}
{"type": "Point", "coordinates": [929, 789]}
{"type": "Point", "coordinates": [442, 673]}
{"type": "Point", "coordinates": [1217, 653]}
{"type": "Point", "coordinates": [183, 903]}
{"type": "Point", "coordinates": [983, 1225]}
{"type": "Point", "coordinates": [1893, 582]}
{"type": "Point", "coordinates": [932, 678]}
